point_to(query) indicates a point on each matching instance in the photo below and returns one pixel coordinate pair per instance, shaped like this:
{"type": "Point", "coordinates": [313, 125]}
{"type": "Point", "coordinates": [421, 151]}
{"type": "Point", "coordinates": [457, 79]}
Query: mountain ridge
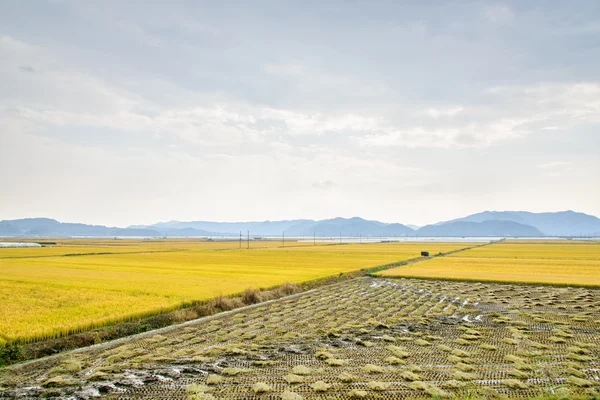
{"type": "Point", "coordinates": [561, 223]}
{"type": "Point", "coordinates": [483, 228]}
{"type": "Point", "coordinates": [486, 223]}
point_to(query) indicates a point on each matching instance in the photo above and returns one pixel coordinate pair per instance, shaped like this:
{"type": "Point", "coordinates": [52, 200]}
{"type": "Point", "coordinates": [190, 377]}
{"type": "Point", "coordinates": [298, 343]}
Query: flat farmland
{"type": "Point", "coordinates": [75, 247]}
{"type": "Point", "coordinates": [370, 338]}
{"type": "Point", "coordinates": [558, 263]}
{"type": "Point", "coordinates": [52, 291]}
{"type": "Point", "coordinates": [552, 251]}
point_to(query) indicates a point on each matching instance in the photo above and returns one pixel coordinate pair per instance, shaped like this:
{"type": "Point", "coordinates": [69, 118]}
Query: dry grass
{"type": "Point", "coordinates": [233, 371]}
{"type": "Point", "coordinates": [287, 395]}
{"type": "Point", "coordinates": [320, 386]}
{"type": "Point", "coordinates": [373, 369]}
{"type": "Point", "coordinates": [397, 351]}
{"type": "Point", "coordinates": [358, 394]}
{"type": "Point", "coordinates": [579, 382]}
{"type": "Point", "coordinates": [393, 360]}
{"type": "Point", "coordinates": [293, 379]}
{"type": "Point", "coordinates": [378, 386]}
{"type": "Point", "coordinates": [430, 389]}
{"type": "Point", "coordinates": [347, 377]}
{"type": "Point", "coordinates": [302, 370]}
{"type": "Point", "coordinates": [213, 379]}
{"type": "Point", "coordinates": [261, 387]}
{"type": "Point", "coordinates": [515, 384]}
{"type": "Point", "coordinates": [410, 376]}
{"type": "Point", "coordinates": [464, 376]}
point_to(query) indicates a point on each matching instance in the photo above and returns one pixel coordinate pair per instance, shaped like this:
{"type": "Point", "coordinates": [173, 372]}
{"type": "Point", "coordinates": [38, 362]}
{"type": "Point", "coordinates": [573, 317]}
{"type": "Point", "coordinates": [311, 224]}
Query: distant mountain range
{"type": "Point", "coordinates": [483, 228]}
{"type": "Point", "coordinates": [551, 223]}
{"type": "Point", "coordinates": [51, 227]}
{"type": "Point", "coordinates": [487, 223]}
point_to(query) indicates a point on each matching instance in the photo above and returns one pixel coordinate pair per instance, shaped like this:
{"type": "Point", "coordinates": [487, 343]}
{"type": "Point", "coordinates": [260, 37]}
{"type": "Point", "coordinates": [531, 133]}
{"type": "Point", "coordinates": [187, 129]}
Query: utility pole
{"type": "Point", "coordinates": [248, 238]}
{"type": "Point", "coordinates": [314, 238]}
{"type": "Point", "coordinates": [240, 239]}
{"type": "Point", "coordinates": [283, 239]}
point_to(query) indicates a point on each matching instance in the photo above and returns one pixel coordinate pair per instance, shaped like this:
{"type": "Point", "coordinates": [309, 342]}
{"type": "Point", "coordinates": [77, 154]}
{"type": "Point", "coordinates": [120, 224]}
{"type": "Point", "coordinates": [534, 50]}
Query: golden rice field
{"type": "Point", "coordinates": [556, 251]}
{"type": "Point", "coordinates": [546, 263]}
{"type": "Point", "coordinates": [103, 246]}
{"type": "Point", "coordinates": [51, 291]}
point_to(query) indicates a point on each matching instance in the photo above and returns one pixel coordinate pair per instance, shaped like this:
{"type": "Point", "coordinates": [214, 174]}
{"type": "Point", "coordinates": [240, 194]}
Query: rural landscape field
{"type": "Point", "coordinates": [80, 284]}
{"type": "Point", "coordinates": [288, 200]}
{"type": "Point", "coordinates": [391, 335]}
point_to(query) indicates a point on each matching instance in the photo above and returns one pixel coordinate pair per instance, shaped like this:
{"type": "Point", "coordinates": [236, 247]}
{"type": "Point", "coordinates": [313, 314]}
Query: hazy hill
{"type": "Point", "coordinates": [348, 227]}
{"type": "Point", "coordinates": [255, 227]}
{"type": "Point", "coordinates": [51, 227]}
{"type": "Point", "coordinates": [487, 223]}
{"type": "Point", "coordinates": [484, 228]}
{"type": "Point", "coordinates": [301, 227]}
{"type": "Point", "coordinates": [551, 223]}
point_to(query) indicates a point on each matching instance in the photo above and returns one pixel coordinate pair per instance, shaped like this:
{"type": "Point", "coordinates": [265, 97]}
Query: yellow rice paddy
{"type": "Point", "coordinates": [51, 291]}
{"type": "Point", "coordinates": [547, 263]}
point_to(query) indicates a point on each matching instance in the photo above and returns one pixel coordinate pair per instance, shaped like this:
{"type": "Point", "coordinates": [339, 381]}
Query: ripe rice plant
{"type": "Point", "coordinates": [48, 292]}
{"type": "Point", "coordinates": [553, 264]}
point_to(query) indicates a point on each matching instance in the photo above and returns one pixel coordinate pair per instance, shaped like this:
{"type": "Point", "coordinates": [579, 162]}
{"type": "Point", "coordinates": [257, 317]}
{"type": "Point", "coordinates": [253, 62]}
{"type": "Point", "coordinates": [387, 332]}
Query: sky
{"type": "Point", "coordinates": [120, 113]}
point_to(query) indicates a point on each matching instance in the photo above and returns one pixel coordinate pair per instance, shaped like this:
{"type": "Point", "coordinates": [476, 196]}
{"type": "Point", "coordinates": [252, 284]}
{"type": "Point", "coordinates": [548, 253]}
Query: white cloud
{"type": "Point", "coordinates": [324, 184]}
{"type": "Point", "coordinates": [499, 14]}
{"type": "Point", "coordinates": [554, 164]}
{"type": "Point", "coordinates": [293, 70]}
{"type": "Point", "coordinates": [470, 135]}
{"type": "Point", "coordinates": [58, 95]}
{"type": "Point", "coordinates": [563, 169]}
{"type": "Point", "coordinates": [194, 110]}
{"type": "Point", "coordinates": [444, 112]}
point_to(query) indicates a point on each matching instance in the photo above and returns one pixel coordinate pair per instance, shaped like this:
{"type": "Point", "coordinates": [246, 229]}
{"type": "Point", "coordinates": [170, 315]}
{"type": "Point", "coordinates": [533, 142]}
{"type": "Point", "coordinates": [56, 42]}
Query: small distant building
{"type": "Point", "coordinates": [424, 254]}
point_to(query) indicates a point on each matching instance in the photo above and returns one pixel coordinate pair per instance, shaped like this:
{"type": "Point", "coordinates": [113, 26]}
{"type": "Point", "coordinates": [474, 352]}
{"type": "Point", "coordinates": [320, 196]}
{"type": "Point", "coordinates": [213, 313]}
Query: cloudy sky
{"type": "Point", "coordinates": [133, 112]}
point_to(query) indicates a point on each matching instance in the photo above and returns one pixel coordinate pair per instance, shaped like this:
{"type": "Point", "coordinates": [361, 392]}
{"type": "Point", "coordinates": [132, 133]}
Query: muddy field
{"type": "Point", "coordinates": [365, 338]}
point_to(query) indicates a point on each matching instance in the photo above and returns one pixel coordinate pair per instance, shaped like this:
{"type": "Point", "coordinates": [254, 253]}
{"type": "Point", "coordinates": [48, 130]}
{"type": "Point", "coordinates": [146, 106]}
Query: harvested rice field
{"type": "Point", "coordinates": [77, 284]}
{"type": "Point", "coordinates": [373, 338]}
{"type": "Point", "coordinates": [555, 263]}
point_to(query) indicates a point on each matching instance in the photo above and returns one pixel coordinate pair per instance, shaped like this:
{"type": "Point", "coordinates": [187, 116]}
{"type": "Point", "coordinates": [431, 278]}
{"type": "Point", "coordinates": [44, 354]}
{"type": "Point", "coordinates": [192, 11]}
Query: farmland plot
{"type": "Point", "coordinates": [50, 292]}
{"type": "Point", "coordinates": [365, 338]}
{"type": "Point", "coordinates": [549, 263]}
